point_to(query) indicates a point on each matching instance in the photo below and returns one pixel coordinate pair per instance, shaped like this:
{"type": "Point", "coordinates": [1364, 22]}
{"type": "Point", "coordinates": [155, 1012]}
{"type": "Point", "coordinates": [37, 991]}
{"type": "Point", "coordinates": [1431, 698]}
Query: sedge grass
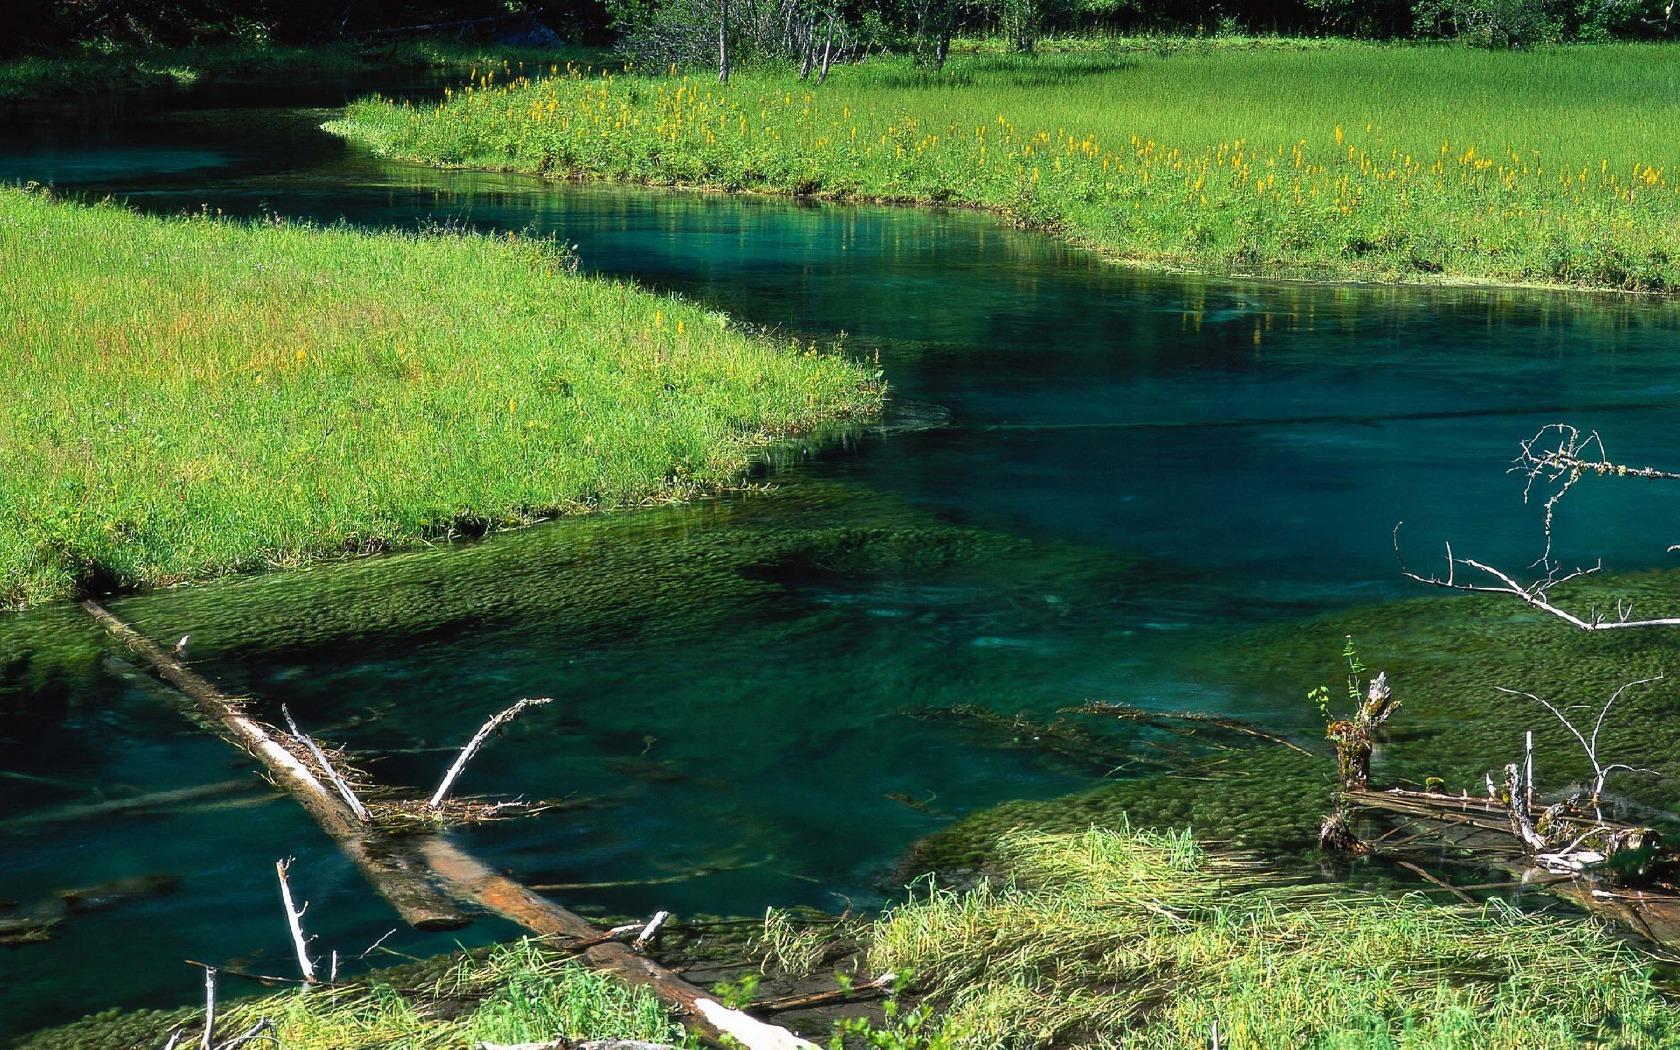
{"type": "Point", "coordinates": [1141, 939]}
{"type": "Point", "coordinates": [1551, 166]}
{"type": "Point", "coordinates": [187, 398]}
{"type": "Point", "coordinates": [508, 995]}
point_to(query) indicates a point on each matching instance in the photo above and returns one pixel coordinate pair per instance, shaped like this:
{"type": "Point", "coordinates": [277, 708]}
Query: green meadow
{"type": "Point", "coordinates": [194, 397]}
{"type": "Point", "coordinates": [1337, 160]}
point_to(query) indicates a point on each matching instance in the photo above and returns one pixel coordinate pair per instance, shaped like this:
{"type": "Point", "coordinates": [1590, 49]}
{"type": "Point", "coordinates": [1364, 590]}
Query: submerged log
{"type": "Point", "coordinates": [1483, 828]}
{"type": "Point", "coordinates": [390, 867]}
{"type": "Point", "coordinates": [471, 878]}
{"type": "Point", "coordinates": [401, 875]}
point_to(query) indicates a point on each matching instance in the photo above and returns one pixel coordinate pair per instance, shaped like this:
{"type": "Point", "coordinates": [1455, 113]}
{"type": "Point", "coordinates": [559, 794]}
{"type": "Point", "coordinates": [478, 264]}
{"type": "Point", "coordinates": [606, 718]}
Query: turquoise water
{"type": "Point", "coordinates": [1090, 478]}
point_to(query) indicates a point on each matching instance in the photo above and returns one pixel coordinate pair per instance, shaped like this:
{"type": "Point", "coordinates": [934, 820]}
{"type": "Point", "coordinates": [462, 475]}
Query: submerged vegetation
{"type": "Point", "coordinates": [1120, 936]}
{"type": "Point", "coordinates": [196, 397]}
{"type": "Point", "coordinates": [1347, 160]}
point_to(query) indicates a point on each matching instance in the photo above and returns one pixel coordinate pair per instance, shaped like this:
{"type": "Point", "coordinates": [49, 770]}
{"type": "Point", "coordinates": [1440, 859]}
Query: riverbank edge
{"type": "Point", "coordinates": [348, 130]}
{"type": "Point", "coordinates": [1171, 265]}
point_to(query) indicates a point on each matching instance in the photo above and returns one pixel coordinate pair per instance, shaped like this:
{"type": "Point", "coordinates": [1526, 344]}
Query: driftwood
{"type": "Point", "coordinates": [1481, 828]}
{"type": "Point", "coordinates": [471, 879]}
{"type": "Point", "coordinates": [1621, 871]}
{"type": "Point", "coordinates": [389, 866]}
{"type": "Point", "coordinates": [809, 1000]}
{"type": "Point", "coordinates": [1184, 722]}
{"type": "Point", "coordinates": [345, 791]}
{"type": "Point", "coordinates": [463, 875]}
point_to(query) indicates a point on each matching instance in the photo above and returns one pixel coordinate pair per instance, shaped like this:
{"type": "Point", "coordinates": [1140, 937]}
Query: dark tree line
{"type": "Point", "coordinates": [658, 32]}
{"type": "Point", "coordinates": [35, 27]}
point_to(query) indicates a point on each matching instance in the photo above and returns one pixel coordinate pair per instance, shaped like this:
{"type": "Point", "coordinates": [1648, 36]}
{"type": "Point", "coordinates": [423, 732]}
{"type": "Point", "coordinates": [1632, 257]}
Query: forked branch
{"type": "Point", "coordinates": [1555, 459]}
{"type": "Point", "coordinates": [1589, 741]}
{"type": "Point", "coordinates": [294, 919]}
{"type": "Point", "coordinates": [1536, 593]}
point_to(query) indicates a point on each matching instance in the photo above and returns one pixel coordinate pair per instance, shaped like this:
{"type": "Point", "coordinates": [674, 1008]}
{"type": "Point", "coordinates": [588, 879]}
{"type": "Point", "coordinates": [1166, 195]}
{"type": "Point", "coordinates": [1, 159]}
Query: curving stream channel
{"type": "Point", "coordinates": [1095, 482]}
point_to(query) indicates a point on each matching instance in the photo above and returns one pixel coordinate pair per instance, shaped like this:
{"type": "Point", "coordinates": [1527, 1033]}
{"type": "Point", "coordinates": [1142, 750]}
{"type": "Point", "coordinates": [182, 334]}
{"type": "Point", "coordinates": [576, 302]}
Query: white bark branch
{"type": "Point", "coordinates": [344, 790]}
{"type": "Point", "coordinates": [294, 919]}
{"type": "Point", "coordinates": [1535, 594]}
{"type": "Point", "coordinates": [209, 1009]}
{"type": "Point", "coordinates": [483, 734]}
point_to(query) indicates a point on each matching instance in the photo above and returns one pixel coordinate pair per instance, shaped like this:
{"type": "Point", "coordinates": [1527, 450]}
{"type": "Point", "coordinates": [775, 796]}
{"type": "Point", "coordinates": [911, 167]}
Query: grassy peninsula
{"type": "Point", "coordinates": [1343, 159]}
{"type": "Point", "coordinates": [196, 397]}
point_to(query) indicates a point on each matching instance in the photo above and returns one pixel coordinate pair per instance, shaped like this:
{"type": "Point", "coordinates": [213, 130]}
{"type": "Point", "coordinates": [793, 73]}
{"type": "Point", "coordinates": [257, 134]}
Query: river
{"type": "Point", "coordinates": [1091, 477]}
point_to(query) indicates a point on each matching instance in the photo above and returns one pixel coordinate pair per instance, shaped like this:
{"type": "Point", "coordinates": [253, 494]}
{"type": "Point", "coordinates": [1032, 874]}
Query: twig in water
{"type": "Point", "coordinates": [809, 1000]}
{"type": "Point", "coordinates": [1435, 880]}
{"type": "Point", "coordinates": [375, 944]}
{"type": "Point", "coordinates": [344, 790]}
{"type": "Point", "coordinates": [483, 734]}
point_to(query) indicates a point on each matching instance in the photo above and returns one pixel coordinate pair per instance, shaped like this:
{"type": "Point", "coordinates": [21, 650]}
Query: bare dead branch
{"type": "Point", "coordinates": [257, 1030]}
{"type": "Point", "coordinates": [1535, 594]}
{"type": "Point", "coordinates": [294, 919]}
{"type": "Point", "coordinates": [1589, 744]}
{"type": "Point", "coordinates": [209, 1037]}
{"type": "Point", "coordinates": [495, 723]}
{"type": "Point", "coordinates": [344, 790]}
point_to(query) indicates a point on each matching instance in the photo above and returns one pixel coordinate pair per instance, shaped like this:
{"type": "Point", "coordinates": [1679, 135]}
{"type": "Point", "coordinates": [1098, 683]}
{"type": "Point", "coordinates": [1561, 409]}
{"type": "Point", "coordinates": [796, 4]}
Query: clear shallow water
{"type": "Point", "coordinates": [1132, 468]}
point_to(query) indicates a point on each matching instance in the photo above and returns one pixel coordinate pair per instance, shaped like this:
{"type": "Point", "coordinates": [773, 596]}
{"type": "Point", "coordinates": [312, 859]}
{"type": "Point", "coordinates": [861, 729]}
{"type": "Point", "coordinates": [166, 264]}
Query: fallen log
{"type": "Point", "coordinates": [512, 900]}
{"type": "Point", "coordinates": [389, 866]}
{"type": "Point", "coordinates": [1482, 827]}
{"type": "Point", "coordinates": [401, 874]}
{"type": "Point", "coordinates": [1184, 723]}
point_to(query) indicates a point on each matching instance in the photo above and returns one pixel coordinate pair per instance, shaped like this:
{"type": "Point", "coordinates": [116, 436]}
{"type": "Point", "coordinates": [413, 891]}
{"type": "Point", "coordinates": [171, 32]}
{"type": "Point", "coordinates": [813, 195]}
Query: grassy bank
{"type": "Point", "coordinates": [193, 397]}
{"type": "Point", "coordinates": [1345, 160]}
{"type": "Point", "coordinates": [1143, 938]}
{"type": "Point", "coordinates": [511, 994]}
{"type": "Point", "coordinates": [132, 71]}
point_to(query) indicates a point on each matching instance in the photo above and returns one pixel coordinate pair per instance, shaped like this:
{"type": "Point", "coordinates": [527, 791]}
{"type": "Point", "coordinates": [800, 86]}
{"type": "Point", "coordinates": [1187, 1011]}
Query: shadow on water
{"type": "Point", "coordinates": [1173, 492]}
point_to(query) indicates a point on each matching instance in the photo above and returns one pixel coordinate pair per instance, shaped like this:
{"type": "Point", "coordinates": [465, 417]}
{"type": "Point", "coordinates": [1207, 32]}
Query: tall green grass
{"type": "Point", "coordinates": [1347, 160]}
{"type": "Point", "coordinates": [187, 398]}
{"type": "Point", "coordinates": [513, 993]}
{"type": "Point", "coordinates": [1141, 939]}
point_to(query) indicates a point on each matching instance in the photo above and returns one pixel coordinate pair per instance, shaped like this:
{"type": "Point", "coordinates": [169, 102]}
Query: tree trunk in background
{"type": "Point", "coordinates": [723, 41]}
{"type": "Point", "coordinates": [828, 50]}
